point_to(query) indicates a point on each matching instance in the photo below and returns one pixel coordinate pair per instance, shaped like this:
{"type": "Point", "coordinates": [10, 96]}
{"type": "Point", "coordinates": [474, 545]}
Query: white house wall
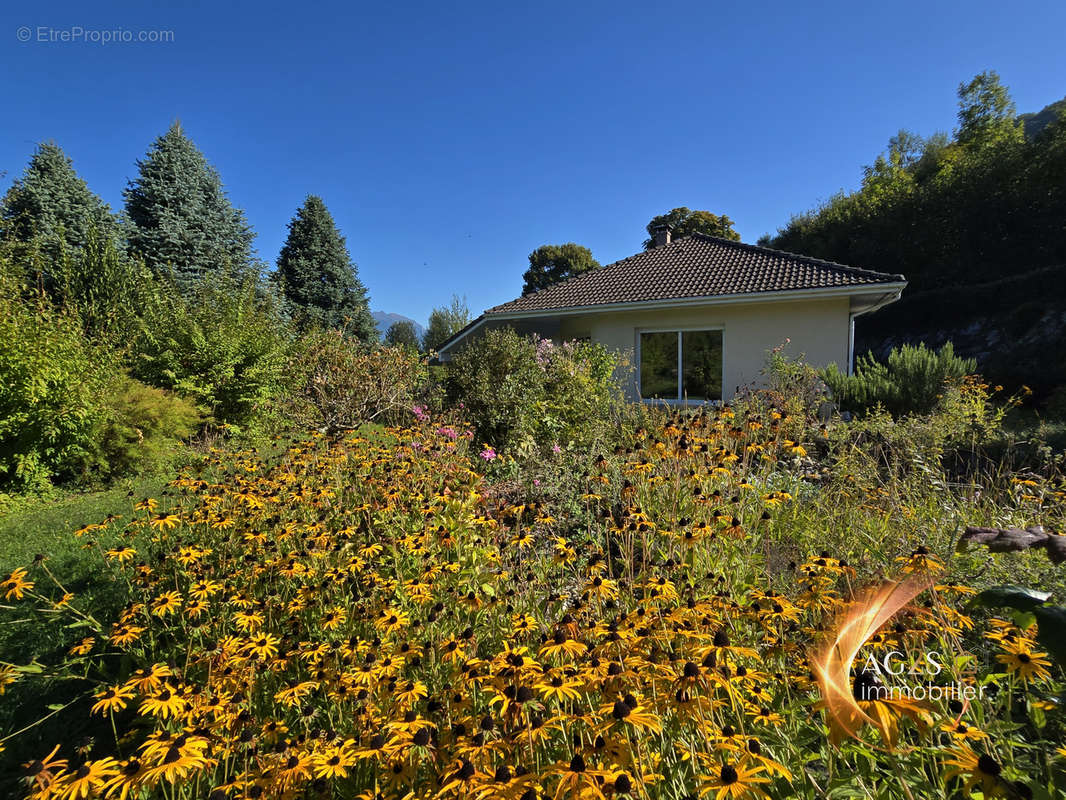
{"type": "Point", "coordinates": [817, 329]}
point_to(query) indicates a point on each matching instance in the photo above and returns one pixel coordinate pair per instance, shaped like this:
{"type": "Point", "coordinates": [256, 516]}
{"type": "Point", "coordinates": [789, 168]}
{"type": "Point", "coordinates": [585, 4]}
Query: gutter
{"type": "Point", "coordinates": [888, 297]}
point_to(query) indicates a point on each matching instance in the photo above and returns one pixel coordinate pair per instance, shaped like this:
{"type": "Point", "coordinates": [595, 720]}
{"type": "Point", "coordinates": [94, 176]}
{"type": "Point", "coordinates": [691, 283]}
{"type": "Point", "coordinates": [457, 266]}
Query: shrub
{"type": "Point", "coordinates": [140, 432]}
{"type": "Point", "coordinates": [527, 393]}
{"type": "Point", "coordinates": [224, 346]}
{"type": "Point", "coordinates": [339, 383]}
{"type": "Point", "coordinates": [51, 384]}
{"type": "Point", "coordinates": [910, 381]}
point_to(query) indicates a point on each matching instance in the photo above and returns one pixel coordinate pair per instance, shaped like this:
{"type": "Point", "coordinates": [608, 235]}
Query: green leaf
{"type": "Point", "coordinates": [1052, 632]}
{"type": "Point", "coordinates": [54, 706]}
{"type": "Point", "coordinates": [1010, 596]}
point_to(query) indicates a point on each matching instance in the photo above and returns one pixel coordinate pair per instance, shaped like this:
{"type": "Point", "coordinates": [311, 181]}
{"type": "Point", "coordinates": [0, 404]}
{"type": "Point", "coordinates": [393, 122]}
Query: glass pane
{"type": "Point", "coordinates": [701, 361]}
{"type": "Point", "coordinates": [658, 365]}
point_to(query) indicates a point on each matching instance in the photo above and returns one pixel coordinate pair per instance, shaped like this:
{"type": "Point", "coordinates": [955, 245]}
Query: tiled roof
{"type": "Point", "coordinates": [694, 266]}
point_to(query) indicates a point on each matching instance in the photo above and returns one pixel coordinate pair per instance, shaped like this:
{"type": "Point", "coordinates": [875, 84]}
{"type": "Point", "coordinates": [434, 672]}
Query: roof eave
{"type": "Point", "coordinates": [710, 300]}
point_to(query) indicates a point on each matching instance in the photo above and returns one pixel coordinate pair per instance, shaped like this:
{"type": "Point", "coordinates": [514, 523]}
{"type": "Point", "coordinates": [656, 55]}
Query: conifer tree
{"type": "Point", "coordinates": [318, 277]}
{"type": "Point", "coordinates": [51, 206]}
{"type": "Point", "coordinates": [180, 217]}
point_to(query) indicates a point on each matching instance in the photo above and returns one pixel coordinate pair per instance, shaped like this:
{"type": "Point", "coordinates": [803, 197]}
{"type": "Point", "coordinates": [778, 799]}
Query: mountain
{"type": "Point", "coordinates": [384, 319]}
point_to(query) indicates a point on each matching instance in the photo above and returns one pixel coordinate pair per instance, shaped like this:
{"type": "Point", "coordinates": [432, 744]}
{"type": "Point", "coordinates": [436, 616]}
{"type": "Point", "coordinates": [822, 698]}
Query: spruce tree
{"type": "Point", "coordinates": [51, 206]}
{"type": "Point", "coordinates": [318, 277]}
{"type": "Point", "coordinates": [181, 219]}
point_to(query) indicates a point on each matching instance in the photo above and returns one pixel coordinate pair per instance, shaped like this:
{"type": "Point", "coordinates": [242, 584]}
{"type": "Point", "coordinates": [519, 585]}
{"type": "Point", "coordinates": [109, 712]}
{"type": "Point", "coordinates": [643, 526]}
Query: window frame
{"type": "Point", "coordinates": [680, 399]}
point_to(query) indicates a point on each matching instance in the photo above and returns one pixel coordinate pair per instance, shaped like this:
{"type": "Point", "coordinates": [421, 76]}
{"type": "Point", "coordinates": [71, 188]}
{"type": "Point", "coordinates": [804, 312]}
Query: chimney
{"type": "Point", "coordinates": [661, 234]}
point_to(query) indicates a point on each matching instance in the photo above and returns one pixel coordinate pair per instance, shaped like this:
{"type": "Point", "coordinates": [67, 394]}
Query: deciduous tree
{"type": "Point", "coordinates": [445, 322]}
{"type": "Point", "coordinates": [551, 263]}
{"type": "Point", "coordinates": [402, 334]}
{"type": "Point", "coordinates": [684, 222]}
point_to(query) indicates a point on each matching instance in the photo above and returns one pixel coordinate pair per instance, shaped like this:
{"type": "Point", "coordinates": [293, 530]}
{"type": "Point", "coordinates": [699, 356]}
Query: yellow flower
{"type": "Point", "coordinates": [15, 585]}
{"type": "Point", "coordinates": [89, 778]}
{"type": "Point", "coordinates": [112, 699]}
{"type": "Point", "coordinates": [1026, 664]}
{"type": "Point", "coordinates": [167, 702]}
{"type": "Point", "coordinates": [734, 782]}
{"type": "Point", "coordinates": [166, 604]}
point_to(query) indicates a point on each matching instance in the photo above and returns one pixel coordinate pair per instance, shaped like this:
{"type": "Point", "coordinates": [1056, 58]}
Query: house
{"type": "Point", "coordinates": [699, 313]}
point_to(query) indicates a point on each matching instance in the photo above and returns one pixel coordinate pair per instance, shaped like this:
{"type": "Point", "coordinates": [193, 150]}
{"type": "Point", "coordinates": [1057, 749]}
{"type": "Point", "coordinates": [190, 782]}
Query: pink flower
{"type": "Point", "coordinates": [420, 413]}
{"type": "Point", "coordinates": [556, 448]}
{"type": "Point", "coordinates": [448, 432]}
{"type": "Point", "coordinates": [488, 454]}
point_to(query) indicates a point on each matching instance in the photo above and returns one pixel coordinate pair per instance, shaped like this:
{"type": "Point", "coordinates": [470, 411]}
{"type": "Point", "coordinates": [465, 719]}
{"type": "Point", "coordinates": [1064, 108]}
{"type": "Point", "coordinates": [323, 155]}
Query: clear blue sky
{"type": "Point", "coordinates": [451, 139]}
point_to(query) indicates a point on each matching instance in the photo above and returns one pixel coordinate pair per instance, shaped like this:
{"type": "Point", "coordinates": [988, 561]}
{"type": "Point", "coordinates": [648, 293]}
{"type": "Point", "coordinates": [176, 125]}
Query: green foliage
{"type": "Point", "coordinates": [53, 208]}
{"type": "Point", "coordinates": [528, 394]}
{"type": "Point", "coordinates": [51, 383]}
{"type": "Point", "coordinates": [223, 344]}
{"type": "Point", "coordinates": [182, 223]}
{"type": "Point", "coordinates": [339, 383]}
{"type": "Point", "coordinates": [102, 286]}
{"type": "Point", "coordinates": [986, 112]}
{"type": "Point", "coordinates": [953, 215]}
{"type": "Point", "coordinates": [140, 432]}
{"type": "Point", "coordinates": [317, 275]}
{"type": "Point", "coordinates": [445, 322]}
{"type": "Point", "coordinates": [912, 380]}
{"type": "Point", "coordinates": [685, 222]}
{"type": "Point", "coordinates": [552, 263]}
{"type": "Point", "coordinates": [402, 334]}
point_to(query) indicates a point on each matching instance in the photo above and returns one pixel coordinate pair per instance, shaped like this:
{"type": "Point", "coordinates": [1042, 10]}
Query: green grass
{"type": "Point", "coordinates": [44, 526]}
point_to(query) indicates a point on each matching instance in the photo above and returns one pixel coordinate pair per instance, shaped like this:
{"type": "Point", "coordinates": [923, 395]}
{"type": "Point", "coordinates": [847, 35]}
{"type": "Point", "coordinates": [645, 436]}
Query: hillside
{"type": "Point", "coordinates": [975, 222]}
{"type": "Point", "coordinates": [1036, 122]}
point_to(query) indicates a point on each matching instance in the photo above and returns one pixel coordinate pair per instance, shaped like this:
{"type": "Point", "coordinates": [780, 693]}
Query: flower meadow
{"type": "Point", "coordinates": [371, 616]}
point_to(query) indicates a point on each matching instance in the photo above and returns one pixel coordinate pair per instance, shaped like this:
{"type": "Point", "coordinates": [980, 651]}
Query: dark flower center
{"type": "Point", "coordinates": [988, 765]}
{"type": "Point", "coordinates": [729, 774]}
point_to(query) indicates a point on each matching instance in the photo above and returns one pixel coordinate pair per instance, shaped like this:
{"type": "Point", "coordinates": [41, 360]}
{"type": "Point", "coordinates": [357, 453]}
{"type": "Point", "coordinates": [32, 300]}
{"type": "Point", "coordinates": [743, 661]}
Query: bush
{"type": "Point", "coordinates": [140, 432]}
{"type": "Point", "coordinates": [910, 381]}
{"type": "Point", "coordinates": [340, 383]}
{"type": "Point", "coordinates": [51, 387]}
{"type": "Point", "coordinates": [527, 393]}
{"type": "Point", "coordinates": [224, 346]}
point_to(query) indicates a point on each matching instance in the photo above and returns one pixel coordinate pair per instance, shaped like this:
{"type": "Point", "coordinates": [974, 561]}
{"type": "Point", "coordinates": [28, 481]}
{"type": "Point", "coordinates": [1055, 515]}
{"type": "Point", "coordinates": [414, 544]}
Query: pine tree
{"type": "Point", "coordinates": [318, 277]}
{"type": "Point", "coordinates": [181, 219]}
{"type": "Point", "coordinates": [52, 207]}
